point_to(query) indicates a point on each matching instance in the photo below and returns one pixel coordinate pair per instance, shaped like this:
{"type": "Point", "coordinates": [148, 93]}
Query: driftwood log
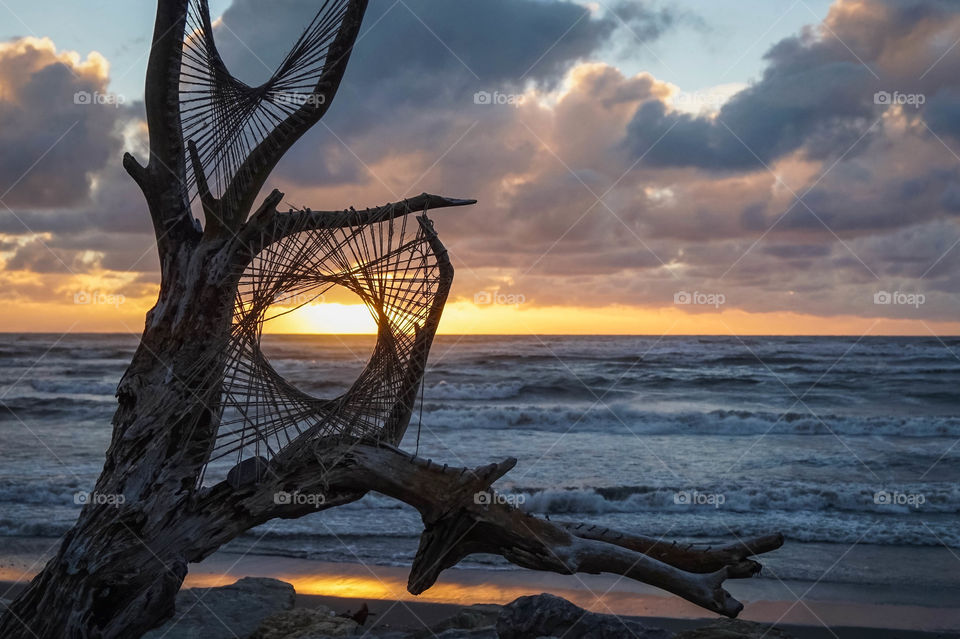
{"type": "Point", "coordinates": [116, 573]}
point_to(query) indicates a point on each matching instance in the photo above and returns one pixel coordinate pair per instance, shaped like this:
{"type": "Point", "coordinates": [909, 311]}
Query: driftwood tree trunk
{"type": "Point", "coordinates": [119, 568]}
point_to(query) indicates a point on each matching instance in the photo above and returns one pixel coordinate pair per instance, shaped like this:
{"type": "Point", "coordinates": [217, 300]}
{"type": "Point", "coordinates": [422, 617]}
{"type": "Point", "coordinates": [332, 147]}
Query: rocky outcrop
{"type": "Point", "coordinates": [306, 623]}
{"type": "Point", "coordinates": [549, 616]}
{"type": "Point", "coordinates": [735, 629]}
{"type": "Point", "coordinates": [227, 612]}
{"type": "Point", "coordinates": [255, 608]}
{"type": "Point", "coordinates": [479, 619]}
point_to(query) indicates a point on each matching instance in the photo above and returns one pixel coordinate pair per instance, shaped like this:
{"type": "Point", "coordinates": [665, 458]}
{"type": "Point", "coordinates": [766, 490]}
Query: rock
{"type": "Point", "coordinates": [549, 616]}
{"type": "Point", "coordinates": [249, 471]}
{"type": "Point", "coordinates": [227, 612]}
{"type": "Point", "coordinates": [480, 616]}
{"type": "Point", "coordinates": [735, 629]}
{"type": "Point", "coordinates": [359, 616]}
{"type": "Point", "coordinates": [306, 623]}
{"type": "Point", "coordinates": [476, 633]}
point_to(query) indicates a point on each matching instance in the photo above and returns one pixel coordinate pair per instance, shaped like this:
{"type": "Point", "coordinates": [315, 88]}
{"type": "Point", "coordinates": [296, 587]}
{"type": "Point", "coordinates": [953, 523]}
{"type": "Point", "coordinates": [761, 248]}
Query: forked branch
{"type": "Point", "coordinates": [256, 167]}
{"type": "Point", "coordinates": [463, 516]}
{"type": "Point", "coordinates": [191, 94]}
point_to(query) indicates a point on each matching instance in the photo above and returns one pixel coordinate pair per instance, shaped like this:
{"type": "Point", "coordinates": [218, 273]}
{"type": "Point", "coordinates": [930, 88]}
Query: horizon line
{"type": "Point", "coordinates": [660, 335]}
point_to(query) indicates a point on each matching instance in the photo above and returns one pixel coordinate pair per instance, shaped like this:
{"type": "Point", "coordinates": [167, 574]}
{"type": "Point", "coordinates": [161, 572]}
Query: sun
{"type": "Point", "coordinates": [325, 318]}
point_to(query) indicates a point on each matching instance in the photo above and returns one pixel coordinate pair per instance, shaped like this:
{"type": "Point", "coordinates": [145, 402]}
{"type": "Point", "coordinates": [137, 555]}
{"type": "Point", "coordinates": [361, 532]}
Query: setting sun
{"type": "Point", "coordinates": [332, 317]}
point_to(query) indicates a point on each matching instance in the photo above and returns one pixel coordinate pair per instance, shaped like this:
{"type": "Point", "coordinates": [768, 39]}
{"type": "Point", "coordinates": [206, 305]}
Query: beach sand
{"type": "Point", "coordinates": [797, 607]}
{"type": "Point", "coordinates": [405, 614]}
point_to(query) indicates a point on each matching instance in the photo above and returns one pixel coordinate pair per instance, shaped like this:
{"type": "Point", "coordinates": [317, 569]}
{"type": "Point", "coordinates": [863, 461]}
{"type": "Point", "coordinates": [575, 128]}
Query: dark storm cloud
{"type": "Point", "coordinates": [825, 114]}
{"type": "Point", "coordinates": [500, 41]}
{"type": "Point", "coordinates": [417, 65]}
{"type": "Point", "coordinates": [58, 124]}
{"type": "Point", "coordinates": [817, 94]}
{"type": "Point", "coordinates": [943, 114]}
{"type": "Point", "coordinates": [114, 205]}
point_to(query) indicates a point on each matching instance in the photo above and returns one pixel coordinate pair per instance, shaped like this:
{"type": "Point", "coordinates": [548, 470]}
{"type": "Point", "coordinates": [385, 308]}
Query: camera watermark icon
{"type": "Point", "coordinates": [82, 498]}
{"type": "Point", "coordinates": [299, 99]}
{"type": "Point", "coordinates": [498, 99]}
{"type": "Point", "coordinates": [486, 498]}
{"type": "Point", "coordinates": [699, 298]}
{"type": "Point", "coordinates": [296, 498]}
{"type": "Point", "coordinates": [896, 498]}
{"type": "Point", "coordinates": [898, 298]}
{"type": "Point", "coordinates": [697, 498]}
{"type": "Point", "coordinates": [98, 298]}
{"type": "Point", "coordinates": [489, 298]}
{"type": "Point", "coordinates": [886, 98]}
{"type": "Point", "coordinates": [96, 98]}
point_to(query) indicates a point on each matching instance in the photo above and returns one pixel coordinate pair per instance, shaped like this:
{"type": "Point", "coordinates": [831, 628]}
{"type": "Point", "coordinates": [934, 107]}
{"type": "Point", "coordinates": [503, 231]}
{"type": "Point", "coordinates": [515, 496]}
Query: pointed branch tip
{"type": "Point", "coordinates": [136, 170]}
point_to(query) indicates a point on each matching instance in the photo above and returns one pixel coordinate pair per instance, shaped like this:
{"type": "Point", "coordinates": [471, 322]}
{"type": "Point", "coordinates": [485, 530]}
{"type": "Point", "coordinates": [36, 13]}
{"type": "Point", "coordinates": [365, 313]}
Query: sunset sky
{"type": "Point", "coordinates": [747, 167]}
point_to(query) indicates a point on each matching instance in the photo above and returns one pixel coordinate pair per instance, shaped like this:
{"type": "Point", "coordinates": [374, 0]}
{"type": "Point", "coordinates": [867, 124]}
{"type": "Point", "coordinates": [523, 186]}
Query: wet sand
{"type": "Point", "coordinates": [344, 586]}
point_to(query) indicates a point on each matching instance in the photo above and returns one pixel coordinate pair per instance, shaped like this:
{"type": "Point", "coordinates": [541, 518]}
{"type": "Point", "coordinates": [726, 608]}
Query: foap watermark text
{"type": "Point", "coordinates": [699, 298]}
{"type": "Point", "coordinates": [98, 298]}
{"type": "Point", "coordinates": [899, 298]}
{"type": "Point", "coordinates": [697, 498]}
{"type": "Point", "coordinates": [85, 98]}
{"type": "Point", "coordinates": [496, 98]}
{"type": "Point", "coordinates": [886, 98]}
{"type": "Point", "coordinates": [486, 498]}
{"type": "Point", "coordinates": [296, 498]}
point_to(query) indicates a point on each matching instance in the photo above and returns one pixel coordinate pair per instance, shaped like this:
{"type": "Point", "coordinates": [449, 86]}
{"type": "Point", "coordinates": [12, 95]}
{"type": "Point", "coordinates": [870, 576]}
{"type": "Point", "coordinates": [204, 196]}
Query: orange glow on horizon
{"type": "Point", "coordinates": [466, 318]}
{"type": "Point", "coordinates": [379, 587]}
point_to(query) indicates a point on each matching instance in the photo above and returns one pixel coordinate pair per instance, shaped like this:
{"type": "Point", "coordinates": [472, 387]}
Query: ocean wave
{"type": "Point", "coordinates": [767, 498]}
{"type": "Point", "coordinates": [566, 387]}
{"type": "Point", "coordinates": [500, 390]}
{"type": "Point", "coordinates": [716, 422]}
{"type": "Point", "coordinates": [46, 528]}
{"type": "Point", "coordinates": [74, 387]}
{"type": "Point", "coordinates": [58, 407]}
{"type": "Point", "coordinates": [55, 492]}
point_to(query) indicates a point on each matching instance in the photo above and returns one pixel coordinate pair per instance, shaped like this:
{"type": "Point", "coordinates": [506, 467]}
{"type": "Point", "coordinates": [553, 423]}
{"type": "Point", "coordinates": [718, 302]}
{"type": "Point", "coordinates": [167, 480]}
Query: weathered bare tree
{"type": "Point", "coordinates": [185, 401]}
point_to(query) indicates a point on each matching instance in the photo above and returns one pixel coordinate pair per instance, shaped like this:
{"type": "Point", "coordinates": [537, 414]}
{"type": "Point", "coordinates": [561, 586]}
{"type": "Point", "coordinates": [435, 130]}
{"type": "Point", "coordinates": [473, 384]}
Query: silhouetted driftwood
{"type": "Point", "coordinates": [117, 571]}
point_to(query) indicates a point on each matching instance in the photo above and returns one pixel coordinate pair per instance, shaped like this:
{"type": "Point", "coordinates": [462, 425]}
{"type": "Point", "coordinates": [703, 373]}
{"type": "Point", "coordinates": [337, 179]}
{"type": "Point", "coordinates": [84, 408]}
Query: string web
{"type": "Point", "coordinates": [396, 267]}
{"type": "Point", "coordinates": [392, 267]}
{"type": "Point", "coordinates": [225, 119]}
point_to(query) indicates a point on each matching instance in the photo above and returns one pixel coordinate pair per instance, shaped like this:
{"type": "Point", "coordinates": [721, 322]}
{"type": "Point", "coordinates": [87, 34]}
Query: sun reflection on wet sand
{"type": "Point", "coordinates": [599, 593]}
{"type": "Point", "coordinates": [463, 587]}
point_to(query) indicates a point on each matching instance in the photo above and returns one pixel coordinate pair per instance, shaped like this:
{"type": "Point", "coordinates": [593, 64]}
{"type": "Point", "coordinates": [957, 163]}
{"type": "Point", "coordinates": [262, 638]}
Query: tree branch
{"type": "Point", "coordinates": [734, 556]}
{"type": "Point", "coordinates": [267, 225]}
{"type": "Point", "coordinates": [463, 516]}
{"type": "Point", "coordinates": [162, 95]}
{"type": "Point", "coordinates": [163, 179]}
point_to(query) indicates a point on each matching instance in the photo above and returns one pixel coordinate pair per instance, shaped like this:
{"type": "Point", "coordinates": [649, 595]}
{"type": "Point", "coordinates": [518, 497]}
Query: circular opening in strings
{"type": "Point", "coordinates": [313, 346]}
{"type": "Point", "coordinates": [328, 341]}
{"type": "Point", "coordinates": [319, 340]}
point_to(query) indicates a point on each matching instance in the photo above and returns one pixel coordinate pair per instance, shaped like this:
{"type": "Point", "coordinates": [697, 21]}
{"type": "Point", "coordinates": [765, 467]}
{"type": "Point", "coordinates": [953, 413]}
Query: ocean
{"type": "Point", "coordinates": [848, 446]}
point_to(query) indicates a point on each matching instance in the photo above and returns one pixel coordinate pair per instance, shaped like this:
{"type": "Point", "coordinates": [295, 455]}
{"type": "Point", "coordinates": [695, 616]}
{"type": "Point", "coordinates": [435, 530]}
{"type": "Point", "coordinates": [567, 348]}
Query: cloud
{"type": "Point", "coordinates": [594, 187]}
{"type": "Point", "coordinates": [439, 44]}
{"type": "Point", "coordinates": [417, 65]}
{"type": "Point", "coordinates": [943, 113]}
{"type": "Point", "coordinates": [55, 127]}
{"type": "Point", "coordinates": [67, 200]}
{"type": "Point", "coordinates": [817, 95]}
{"type": "Point", "coordinates": [823, 115]}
